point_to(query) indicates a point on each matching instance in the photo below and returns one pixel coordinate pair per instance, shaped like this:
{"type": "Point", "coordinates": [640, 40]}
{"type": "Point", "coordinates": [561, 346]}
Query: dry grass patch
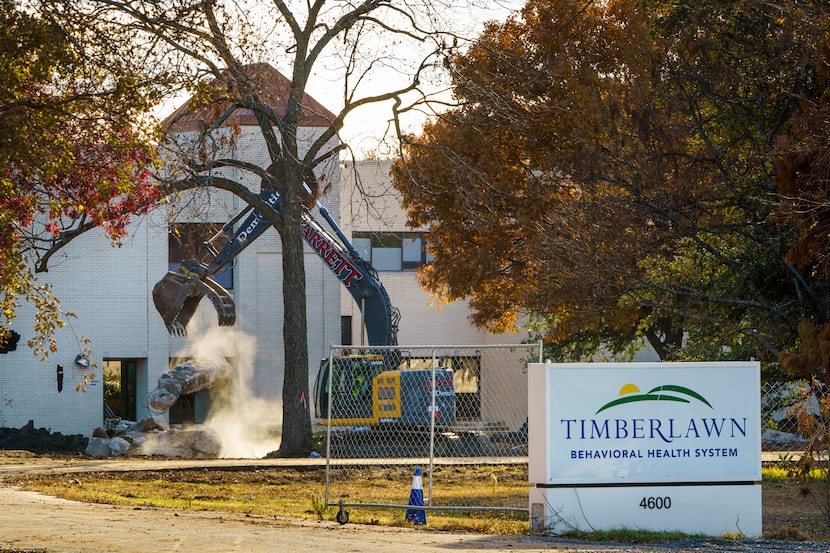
{"type": "Point", "coordinates": [788, 514]}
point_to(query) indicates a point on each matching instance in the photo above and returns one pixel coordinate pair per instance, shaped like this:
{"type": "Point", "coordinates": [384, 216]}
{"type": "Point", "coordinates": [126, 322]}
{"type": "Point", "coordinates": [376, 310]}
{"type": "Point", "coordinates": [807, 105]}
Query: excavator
{"type": "Point", "coordinates": [368, 389]}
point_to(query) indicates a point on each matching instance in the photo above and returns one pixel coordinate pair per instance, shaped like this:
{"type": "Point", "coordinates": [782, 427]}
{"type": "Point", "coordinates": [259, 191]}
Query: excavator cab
{"type": "Point", "coordinates": [370, 389]}
{"type": "Point", "coordinates": [350, 395]}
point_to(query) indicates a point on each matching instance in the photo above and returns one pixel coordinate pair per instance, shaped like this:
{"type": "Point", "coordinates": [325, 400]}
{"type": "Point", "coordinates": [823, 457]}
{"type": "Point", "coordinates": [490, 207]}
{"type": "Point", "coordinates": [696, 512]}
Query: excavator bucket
{"type": "Point", "coordinates": [177, 296]}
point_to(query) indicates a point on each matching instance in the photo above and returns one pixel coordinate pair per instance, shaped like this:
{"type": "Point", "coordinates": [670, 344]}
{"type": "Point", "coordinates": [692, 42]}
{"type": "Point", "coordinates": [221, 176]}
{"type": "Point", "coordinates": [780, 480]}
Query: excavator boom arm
{"type": "Point", "coordinates": [178, 294]}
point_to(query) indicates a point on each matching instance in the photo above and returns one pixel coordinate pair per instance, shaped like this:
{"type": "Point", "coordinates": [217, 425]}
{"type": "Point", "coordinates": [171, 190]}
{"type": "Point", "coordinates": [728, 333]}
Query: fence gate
{"type": "Point", "coordinates": [388, 410]}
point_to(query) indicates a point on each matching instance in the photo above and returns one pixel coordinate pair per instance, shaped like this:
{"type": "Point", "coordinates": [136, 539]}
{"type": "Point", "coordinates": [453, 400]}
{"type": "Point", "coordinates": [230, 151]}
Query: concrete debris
{"type": "Point", "coordinates": [119, 446]}
{"type": "Point", "coordinates": [183, 443]}
{"type": "Point", "coordinates": [187, 378]}
{"type": "Point", "coordinates": [98, 447]}
{"type": "Point", "coordinates": [145, 425]}
{"type": "Point", "coordinates": [773, 440]}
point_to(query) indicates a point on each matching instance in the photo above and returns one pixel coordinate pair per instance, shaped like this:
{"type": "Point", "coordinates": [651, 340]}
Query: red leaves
{"type": "Point", "coordinates": [101, 182]}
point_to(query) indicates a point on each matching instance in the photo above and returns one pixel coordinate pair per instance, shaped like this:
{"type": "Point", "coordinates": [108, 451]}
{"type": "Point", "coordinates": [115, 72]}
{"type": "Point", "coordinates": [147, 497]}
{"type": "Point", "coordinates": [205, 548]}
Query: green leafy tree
{"type": "Point", "coordinates": [734, 72]}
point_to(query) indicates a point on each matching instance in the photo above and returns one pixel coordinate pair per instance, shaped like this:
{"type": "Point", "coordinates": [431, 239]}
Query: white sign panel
{"type": "Point", "coordinates": [712, 510]}
{"type": "Point", "coordinates": [650, 422]}
{"type": "Point", "coordinates": [634, 426]}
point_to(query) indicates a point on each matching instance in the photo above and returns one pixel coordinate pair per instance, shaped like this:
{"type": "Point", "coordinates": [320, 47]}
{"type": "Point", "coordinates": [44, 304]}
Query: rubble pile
{"type": "Point", "coordinates": [774, 440]}
{"type": "Point", "coordinates": [41, 440]}
{"type": "Point", "coordinates": [145, 438]}
{"type": "Point", "coordinates": [152, 436]}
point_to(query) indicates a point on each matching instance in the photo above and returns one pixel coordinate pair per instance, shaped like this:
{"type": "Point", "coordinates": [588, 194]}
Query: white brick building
{"type": "Point", "coordinates": [378, 220]}
{"type": "Point", "coordinates": [109, 289]}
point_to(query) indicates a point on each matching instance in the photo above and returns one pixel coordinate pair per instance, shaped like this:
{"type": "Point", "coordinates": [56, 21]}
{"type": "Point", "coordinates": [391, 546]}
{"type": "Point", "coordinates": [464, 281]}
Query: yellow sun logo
{"type": "Point", "coordinates": [629, 389]}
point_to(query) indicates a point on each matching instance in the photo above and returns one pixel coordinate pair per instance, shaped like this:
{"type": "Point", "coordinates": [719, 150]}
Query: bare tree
{"type": "Point", "coordinates": [212, 45]}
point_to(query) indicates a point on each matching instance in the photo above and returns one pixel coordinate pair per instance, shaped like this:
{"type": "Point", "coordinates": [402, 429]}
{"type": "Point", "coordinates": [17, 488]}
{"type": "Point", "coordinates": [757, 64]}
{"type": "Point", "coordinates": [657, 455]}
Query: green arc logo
{"type": "Point", "coordinates": [668, 392]}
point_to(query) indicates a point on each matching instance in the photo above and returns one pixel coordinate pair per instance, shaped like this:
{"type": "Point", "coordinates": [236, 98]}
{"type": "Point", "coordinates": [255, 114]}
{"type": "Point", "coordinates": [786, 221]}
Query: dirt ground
{"type": "Point", "coordinates": [31, 522]}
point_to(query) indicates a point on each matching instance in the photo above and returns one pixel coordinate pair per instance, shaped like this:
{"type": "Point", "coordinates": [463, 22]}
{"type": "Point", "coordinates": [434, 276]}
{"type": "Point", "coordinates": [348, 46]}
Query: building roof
{"type": "Point", "coordinates": [272, 87]}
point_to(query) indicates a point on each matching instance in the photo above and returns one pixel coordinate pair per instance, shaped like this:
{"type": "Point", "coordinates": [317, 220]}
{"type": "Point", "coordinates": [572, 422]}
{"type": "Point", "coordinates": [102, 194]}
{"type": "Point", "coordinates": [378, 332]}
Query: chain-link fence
{"type": "Point", "coordinates": [780, 404]}
{"type": "Point", "coordinates": [792, 425]}
{"type": "Point", "coordinates": [454, 409]}
{"type": "Point", "coordinates": [389, 409]}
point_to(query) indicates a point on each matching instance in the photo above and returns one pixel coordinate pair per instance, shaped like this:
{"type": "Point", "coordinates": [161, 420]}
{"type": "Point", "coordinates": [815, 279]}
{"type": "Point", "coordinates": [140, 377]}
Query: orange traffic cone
{"type": "Point", "coordinates": [418, 517]}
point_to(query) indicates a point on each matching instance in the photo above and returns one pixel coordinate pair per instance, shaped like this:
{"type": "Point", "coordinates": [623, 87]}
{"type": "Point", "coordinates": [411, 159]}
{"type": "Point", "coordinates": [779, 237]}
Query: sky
{"type": "Point", "coordinates": [365, 127]}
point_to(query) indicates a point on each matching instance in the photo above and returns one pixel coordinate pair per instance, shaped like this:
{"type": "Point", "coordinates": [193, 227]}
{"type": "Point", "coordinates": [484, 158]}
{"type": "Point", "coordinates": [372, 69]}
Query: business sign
{"type": "Point", "coordinates": [627, 425]}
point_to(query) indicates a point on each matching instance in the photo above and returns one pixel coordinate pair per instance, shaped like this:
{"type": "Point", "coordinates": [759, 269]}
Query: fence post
{"type": "Point", "coordinates": [432, 430]}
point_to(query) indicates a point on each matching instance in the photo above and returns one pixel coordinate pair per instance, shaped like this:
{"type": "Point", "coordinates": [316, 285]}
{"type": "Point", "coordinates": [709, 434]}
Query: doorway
{"type": "Point", "coordinates": [120, 389]}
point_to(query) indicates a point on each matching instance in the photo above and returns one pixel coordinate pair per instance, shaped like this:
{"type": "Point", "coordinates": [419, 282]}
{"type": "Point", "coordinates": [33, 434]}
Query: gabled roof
{"type": "Point", "coordinates": [272, 87]}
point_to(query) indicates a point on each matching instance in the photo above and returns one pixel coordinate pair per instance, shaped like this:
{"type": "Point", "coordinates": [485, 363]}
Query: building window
{"type": "Point", "coordinates": [412, 251]}
{"type": "Point", "coordinates": [386, 251]}
{"type": "Point", "coordinates": [392, 251]}
{"type": "Point", "coordinates": [185, 242]}
{"type": "Point", "coordinates": [363, 244]}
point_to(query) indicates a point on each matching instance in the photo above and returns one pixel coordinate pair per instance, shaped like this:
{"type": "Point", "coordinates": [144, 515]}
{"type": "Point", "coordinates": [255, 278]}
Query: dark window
{"type": "Point", "coordinates": [120, 379]}
{"type": "Point", "coordinates": [185, 242]}
{"type": "Point", "coordinates": [346, 330]}
{"type": "Point", "coordinates": [392, 251]}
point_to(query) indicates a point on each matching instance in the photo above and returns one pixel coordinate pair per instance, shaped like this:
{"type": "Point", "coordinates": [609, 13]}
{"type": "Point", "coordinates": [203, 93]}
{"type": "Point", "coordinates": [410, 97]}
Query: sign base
{"type": "Point", "coordinates": [710, 509]}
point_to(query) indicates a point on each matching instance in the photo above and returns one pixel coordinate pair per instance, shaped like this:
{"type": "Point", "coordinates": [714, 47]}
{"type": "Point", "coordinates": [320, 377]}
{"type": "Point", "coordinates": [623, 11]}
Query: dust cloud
{"type": "Point", "coordinates": [248, 426]}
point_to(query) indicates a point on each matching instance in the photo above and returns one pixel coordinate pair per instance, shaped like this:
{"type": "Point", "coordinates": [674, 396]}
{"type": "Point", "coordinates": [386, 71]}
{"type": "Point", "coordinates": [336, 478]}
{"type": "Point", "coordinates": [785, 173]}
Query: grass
{"type": "Point", "coordinates": [784, 474]}
{"type": "Point", "coordinates": [300, 493]}
{"type": "Point", "coordinates": [630, 535]}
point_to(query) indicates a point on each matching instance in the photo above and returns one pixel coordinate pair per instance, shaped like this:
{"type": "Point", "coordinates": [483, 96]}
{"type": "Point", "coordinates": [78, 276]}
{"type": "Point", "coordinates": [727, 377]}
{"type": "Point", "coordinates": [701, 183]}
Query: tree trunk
{"type": "Point", "coordinates": [296, 418]}
{"type": "Point", "coordinates": [665, 339]}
